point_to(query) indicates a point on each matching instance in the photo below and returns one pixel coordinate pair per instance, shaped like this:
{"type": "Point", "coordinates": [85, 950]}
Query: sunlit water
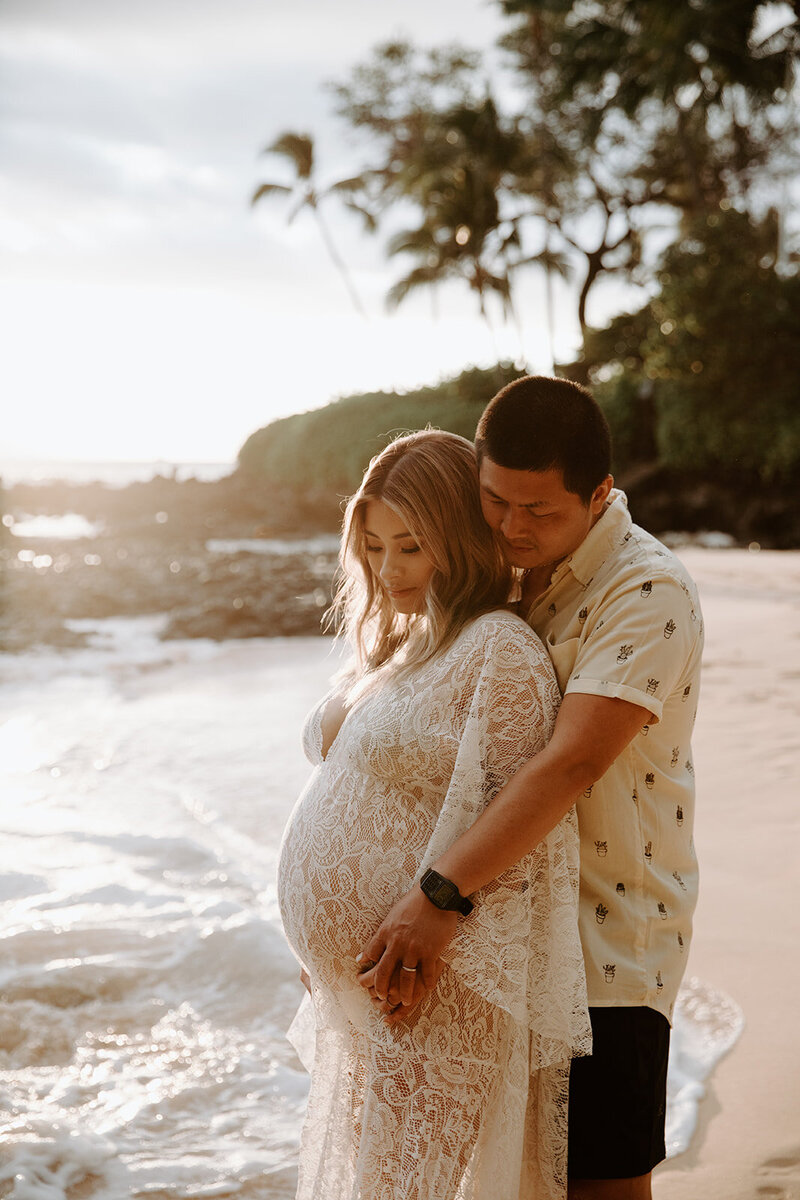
{"type": "Point", "coordinates": [115, 474]}
{"type": "Point", "coordinates": [65, 527]}
{"type": "Point", "coordinates": [146, 987]}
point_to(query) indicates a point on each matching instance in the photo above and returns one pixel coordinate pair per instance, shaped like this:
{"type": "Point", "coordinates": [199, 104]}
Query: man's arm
{"type": "Point", "coordinates": [590, 733]}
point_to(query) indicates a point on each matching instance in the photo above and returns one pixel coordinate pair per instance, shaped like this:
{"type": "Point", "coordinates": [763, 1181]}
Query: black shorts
{"type": "Point", "coordinates": [617, 1096]}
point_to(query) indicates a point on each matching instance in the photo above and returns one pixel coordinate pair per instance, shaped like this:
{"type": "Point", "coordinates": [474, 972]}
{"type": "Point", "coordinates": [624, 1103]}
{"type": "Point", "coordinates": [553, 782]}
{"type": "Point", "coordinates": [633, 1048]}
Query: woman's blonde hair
{"type": "Point", "coordinates": [430, 480]}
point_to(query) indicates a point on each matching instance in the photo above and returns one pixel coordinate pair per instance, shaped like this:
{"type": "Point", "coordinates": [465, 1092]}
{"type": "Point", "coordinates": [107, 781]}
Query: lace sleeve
{"type": "Point", "coordinates": [519, 948]}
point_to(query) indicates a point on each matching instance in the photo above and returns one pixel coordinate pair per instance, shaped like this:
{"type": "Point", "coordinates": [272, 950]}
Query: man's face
{"type": "Point", "coordinates": [538, 520]}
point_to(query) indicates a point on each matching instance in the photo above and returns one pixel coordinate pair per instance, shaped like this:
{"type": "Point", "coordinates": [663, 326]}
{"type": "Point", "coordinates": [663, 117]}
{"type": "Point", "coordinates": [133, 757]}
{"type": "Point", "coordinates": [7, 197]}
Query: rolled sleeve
{"type": "Point", "coordinates": [636, 646]}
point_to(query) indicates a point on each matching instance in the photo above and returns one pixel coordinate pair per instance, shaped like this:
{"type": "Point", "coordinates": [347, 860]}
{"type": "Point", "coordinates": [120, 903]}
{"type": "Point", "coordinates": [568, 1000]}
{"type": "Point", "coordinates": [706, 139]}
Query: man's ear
{"type": "Point", "coordinates": [600, 494]}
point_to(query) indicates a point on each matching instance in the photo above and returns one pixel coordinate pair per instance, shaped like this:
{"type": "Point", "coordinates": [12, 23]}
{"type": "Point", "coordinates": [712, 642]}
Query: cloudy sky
{"type": "Point", "coordinates": [146, 310]}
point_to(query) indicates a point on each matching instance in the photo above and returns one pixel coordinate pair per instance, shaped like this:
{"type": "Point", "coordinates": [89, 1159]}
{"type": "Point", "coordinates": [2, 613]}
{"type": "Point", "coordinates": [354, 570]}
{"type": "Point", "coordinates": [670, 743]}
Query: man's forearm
{"type": "Point", "coordinates": [590, 733]}
{"type": "Point", "coordinates": [516, 821]}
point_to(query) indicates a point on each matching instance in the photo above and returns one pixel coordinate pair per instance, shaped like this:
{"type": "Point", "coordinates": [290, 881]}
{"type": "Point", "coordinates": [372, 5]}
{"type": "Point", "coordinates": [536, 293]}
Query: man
{"type": "Point", "coordinates": [620, 618]}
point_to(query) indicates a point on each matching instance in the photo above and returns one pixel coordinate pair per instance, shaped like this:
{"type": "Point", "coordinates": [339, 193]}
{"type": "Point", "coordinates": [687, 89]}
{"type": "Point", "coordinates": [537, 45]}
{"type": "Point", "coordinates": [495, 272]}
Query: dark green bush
{"type": "Point", "coordinates": [328, 449]}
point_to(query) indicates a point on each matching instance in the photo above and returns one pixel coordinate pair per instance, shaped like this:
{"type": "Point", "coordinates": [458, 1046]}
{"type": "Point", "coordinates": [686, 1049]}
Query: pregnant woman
{"type": "Point", "coordinates": [461, 1094]}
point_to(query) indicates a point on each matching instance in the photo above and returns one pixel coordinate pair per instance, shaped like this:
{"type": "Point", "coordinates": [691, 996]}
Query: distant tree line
{"type": "Point", "coordinates": [655, 140]}
{"type": "Point", "coordinates": [327, 450]}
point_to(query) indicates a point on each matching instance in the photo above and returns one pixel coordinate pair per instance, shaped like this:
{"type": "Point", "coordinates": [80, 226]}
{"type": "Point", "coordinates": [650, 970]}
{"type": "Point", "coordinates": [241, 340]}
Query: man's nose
{"type": "Point", "coordinates": [514, 523]}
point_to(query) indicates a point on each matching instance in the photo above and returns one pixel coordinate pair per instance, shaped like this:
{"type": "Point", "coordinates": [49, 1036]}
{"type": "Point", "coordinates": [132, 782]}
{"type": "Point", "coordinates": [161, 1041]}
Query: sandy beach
{"type": "Point", "coordinates": [147, 987]}
{"type": "Point", "coordinates": [747, 927]}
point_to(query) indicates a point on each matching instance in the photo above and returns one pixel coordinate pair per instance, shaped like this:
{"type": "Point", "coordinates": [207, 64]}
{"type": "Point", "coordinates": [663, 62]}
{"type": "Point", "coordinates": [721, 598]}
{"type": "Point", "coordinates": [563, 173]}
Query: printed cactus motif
{"type": "Point", "coordinates": [679, 815]}
{"type": "Point", "coordinates": [675, 755]}
{"type": "Point", "coordinates": [662, 910]}
{"type": "Point", "coordinates": [620, 889]}
{"type": "Point", "coordinates": [601, 848]}
{"type": "Point", "coordinates": [652, 686]}
{"type": "Point", "coordinates": [659, 981]}
{"type": "Point", "coordinates": [677, 877]}
{"type": "Point", "coordinates": [680, 940]}
{"type": "Point", "coordinates": [689, 767]}
{"type": "Point", "coordinates": [686, 692]}
{"type": "Point", "coordinates": [650, 780]}
{"type": "Point", "coordinates": [647, 589]}
{"type": "Point", "coordinates": [635, 796]}
{"type": "Point", "coordinates": [552, 610]}
{"type": "Point", "coordinates": [609, 970]}
{"type": "Point", "coordinates": [624, 653]}
{"type": "Point", "coordinates": [669, 629]}
{"type": "Point", "coordinates": [588, 791]}
{"type": "Point", "coordinates": [645, 730]}
{"type": "Point", "coordinates": [648, 852]}
{"type": "Point", "coordinates": [600, 913]}
{"type": "Point", "coordinates": [583, 614]}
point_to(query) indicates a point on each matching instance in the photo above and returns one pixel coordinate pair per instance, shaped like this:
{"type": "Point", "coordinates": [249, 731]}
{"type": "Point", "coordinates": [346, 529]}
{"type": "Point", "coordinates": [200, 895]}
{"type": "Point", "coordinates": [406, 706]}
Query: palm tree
{"type": "Point", "coordinates": [298, 148]}
{"type": "Point", "coordinates": [457, 172]}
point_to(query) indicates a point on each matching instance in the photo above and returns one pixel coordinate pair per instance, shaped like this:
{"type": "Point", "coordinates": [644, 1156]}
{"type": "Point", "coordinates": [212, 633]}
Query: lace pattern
{"type": "Point", "coordinates": [467, 1098]}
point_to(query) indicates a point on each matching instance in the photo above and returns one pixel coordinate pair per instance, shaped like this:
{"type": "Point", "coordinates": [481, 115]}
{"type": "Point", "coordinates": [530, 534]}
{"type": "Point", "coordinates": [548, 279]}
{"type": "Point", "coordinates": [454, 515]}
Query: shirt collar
{"type": "Point", "coordinates": [610, 531]}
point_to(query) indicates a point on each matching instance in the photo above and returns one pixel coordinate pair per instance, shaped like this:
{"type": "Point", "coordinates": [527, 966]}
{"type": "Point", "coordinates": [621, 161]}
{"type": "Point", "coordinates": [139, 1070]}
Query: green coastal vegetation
{"type": "Point", "coordinates": [652, 141]}
{"type": "Point", "coordinates": [700, 386]}
{"type": "Point", "coordinates": [330, 447]}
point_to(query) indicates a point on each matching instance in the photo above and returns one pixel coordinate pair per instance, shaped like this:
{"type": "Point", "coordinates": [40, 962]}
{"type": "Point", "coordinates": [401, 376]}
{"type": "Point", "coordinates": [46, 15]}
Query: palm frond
{"type": "Point", "coordinates": [419, 277]}
{"type": "Point", "coordinates": [413, 241]}
{"type": "Point", "coordinates": [298, 148]}
{"type": "Point", "coordinates": [551, 260]}
{"type": "Point", "coordinates": [369, 219]}
{"type": "Point", "coordinates": [269, 189]}
{"type": "Point", "coordinates": [354, 184]}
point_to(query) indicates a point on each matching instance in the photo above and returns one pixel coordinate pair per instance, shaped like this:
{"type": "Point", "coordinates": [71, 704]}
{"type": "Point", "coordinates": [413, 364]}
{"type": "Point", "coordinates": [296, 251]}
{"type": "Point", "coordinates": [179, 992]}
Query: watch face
{"type": "Point", "coordinates": [442, 893]}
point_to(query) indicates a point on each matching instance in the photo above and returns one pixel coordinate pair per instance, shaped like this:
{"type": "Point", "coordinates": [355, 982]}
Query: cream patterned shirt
{"type": "Point", "coordinates": [621, 618]}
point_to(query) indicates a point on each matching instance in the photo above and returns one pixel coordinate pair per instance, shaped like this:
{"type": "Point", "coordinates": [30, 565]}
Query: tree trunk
{"type": "Point", "coordinates": [338, 263]}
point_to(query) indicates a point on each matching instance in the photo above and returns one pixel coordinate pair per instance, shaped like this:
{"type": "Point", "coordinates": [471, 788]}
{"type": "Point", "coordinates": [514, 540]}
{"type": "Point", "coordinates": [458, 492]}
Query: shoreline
{"type": "Point", "coordinates": [211, 554]}
{"type": "Point", "coordinates": [164, 546]}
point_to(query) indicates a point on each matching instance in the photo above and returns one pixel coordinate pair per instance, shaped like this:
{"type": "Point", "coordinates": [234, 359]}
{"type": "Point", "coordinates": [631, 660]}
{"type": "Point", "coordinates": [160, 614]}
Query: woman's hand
{"type": "Point", "coordinates": [413, 934]}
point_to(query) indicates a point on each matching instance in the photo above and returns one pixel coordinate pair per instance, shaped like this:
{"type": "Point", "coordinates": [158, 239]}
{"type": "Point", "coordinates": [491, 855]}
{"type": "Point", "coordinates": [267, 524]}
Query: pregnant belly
{"type": "Point", "coordinates": [350, 850]}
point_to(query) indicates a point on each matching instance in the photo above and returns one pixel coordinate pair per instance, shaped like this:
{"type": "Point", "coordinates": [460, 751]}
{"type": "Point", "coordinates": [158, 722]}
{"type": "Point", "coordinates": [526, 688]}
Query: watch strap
{"type": "Point", "coordinates": [444, 893]}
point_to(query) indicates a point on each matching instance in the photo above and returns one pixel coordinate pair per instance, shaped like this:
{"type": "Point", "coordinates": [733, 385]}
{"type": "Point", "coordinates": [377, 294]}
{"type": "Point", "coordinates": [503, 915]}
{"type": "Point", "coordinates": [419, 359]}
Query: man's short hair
{"type": "Point", "coordinates": [538, 424]}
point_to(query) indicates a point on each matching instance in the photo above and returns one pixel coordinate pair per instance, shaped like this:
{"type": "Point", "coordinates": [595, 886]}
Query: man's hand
{"type": "Point", "coordinates": [413, 934]}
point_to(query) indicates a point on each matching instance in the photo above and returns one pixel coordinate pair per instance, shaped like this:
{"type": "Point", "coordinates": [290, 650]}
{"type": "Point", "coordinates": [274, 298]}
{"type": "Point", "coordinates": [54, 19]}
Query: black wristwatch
{"type": "Point", "coordinates": [444, 894]}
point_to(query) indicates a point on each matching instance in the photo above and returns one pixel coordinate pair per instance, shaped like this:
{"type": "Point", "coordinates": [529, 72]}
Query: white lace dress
{"type": "Point", "coordinates": [466, 1100]}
